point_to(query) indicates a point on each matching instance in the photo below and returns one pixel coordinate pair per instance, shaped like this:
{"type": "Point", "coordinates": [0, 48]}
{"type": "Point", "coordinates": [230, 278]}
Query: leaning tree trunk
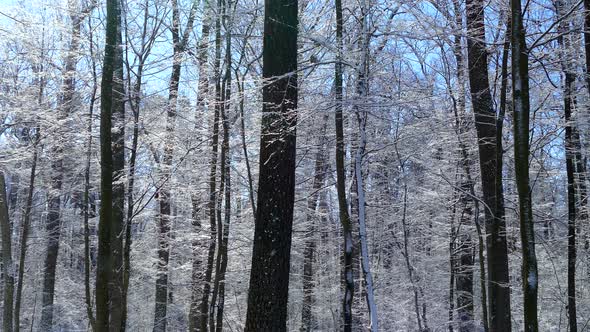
{"type": "Point", "coordinates": [341, 179]}
{"type": "Point", "coordinates": [25, 232]}
{"type": "Point", "coordinates": [521, 108]}
{"type": "Point", "coordinates": [7, 264]}
{"type": "Point", "coordinates": [54, 199]}
{"type": "Point", "coordinates": [487, 135]}
{"type": "Point", "coordinates": [269, 277]}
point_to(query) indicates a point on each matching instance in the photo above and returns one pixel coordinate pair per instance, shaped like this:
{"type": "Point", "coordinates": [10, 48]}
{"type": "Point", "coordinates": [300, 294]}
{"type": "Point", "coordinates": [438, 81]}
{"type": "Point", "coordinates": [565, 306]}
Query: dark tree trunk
{"type": "Point", "coordinates": [341, 179]}
{"type": "Point", "coordinates": [25, 233]}
{"type": "Point", "coordinates": [7, 264]}
{"type": "Point", "coordinates": [521, 108]}
{"type": "Point", "coordinates": [569, 79]}
{"type": "Point", "coordinates": [225, 169]}
{"type": "Point", "coordinates": [86, 204]}
{"type": "Point", "coordinates": [118, 212]}
{"type": "Point", "coordinates": [108, 223]}
{"type": "Point", "coordinates": [269, 277]}
{"type": "Point", "coordinates": [213, 197]}
{"type": "Point", "coordinates": [491, 178]}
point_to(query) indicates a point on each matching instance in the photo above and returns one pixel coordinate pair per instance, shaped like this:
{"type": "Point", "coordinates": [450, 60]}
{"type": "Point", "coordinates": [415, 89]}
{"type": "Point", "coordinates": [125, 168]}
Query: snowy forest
{"type": "Point", "coordinates": [295, 165]}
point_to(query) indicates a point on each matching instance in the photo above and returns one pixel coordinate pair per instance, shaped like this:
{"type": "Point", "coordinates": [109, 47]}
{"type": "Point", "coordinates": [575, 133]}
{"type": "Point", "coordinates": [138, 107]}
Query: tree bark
{"type": "Point", "coordinates": [213, 198]}
{"type": "Point", "coordinates": [108, 224]}
{"type": "Point", "coordinates": [490, 163]}
{"type": "Point", "coordinates": [569, 79]}
{"type": "Point", "coordinates": [269, 277]}
{"type": "Point", "coordinates": [7, 264]}
{"type": "Point", "coordinates": [341, 178]}
{"type": "Point", "coordinates": [521, 108]}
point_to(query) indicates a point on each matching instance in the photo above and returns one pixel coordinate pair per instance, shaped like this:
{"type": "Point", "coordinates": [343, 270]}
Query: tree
{"type": "Point", "coordinates": [163, 193]}
{"type": "Point", "coordinates": [7, 265]}
{"type": "Point", "coordinates": [269, 277]}
{"type": "Point", "coordinates": [54, 199]}
{"type": "Point", "coordinates": [489, 142]}
{"type": "Point", "coordinates": [109, 224]}
{"type": "Point", "coordinates": [521, 107]}
{"type": "Point", "coordinates": [341, 178]}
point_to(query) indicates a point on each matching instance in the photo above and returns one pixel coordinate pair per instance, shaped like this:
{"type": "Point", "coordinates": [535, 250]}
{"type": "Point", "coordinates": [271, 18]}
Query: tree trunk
{"type": "Point", "coordinates": [361, 114]}
{"type": "Point", "coordinates": [107, 224]}
{"type": "Point", "coordinates": [341, 178]}
{"type": "Point", "coordinates": [521, 108]}
{"type": "Point", "coordinates": [54, 199]}
{"type": "Point", "coordinates": [307, 319]}
{"type": "Point", "coordinates": [7, 264]}
{"type": "Point", "coordinates": [163, 194]}
{"type": "Point", "coordinates": [25, 234]}
{"type": "Point", "coordinates": [569, 79]}
{"type": "Point", "coordinates": [269, 277]}
{"type": "Point", "coordinates": [223, 228]}
{"type": "Point", "coordinates": [491, 178]}
{"type": "Point", "coordinates": [197, 274]}
{"type": "Point", "coordinates": [213, 198]}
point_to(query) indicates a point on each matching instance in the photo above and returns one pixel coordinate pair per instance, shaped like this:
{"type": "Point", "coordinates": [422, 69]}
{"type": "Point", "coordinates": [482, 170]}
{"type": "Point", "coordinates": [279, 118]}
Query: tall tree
{"type": "Point", "coordinates": [269, 277]}
{"type": "Point", "coordinates": [7, 264]}
{"type": "Point", "coordinates": [197, 274]}
{"type": "Point", "coordinates": [213, 192]}
{"type": "Point", "coordinates": [521, 107]}
{"type": "Point", "coordinates": [571, 154]}
{"type": "Point", "coordinates": [66, 107]}
{"type": "Point", "coordinates": [163, 193]}
{"type": "Point", "coordinates": [109, 260]}
{"type": "Point", "coordinates": [489, 160]}
{"type": "Point", "coordinates": [307, 319]}
{"type": "Point", "coordinates": [341, 177]}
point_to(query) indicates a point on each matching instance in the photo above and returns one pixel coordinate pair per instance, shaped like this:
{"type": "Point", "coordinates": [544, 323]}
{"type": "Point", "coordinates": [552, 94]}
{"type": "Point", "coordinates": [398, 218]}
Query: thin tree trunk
{"type": "Point", "coordinates": [163, 194]}
{"type": "Point", "coordinates": [363, 91]}
{"type": "Point", "coordinates": [54, 199]}
{"type": "Point", "coordinates": [197, 274]}
{"type": "Point", "coordinates": [25, 233]}
{"type": "Point", "coordinates": [269, 277]}
{"type": "Point", "coordinates": [225, 169]}
{"type": "Point", "coordinates": [27, 213]}
{"type": "Point", "coordinates": [307, 319]}
{"type": "Point", "coordinates": [7, 264]}
{"type": "Point", "coordinates": [341, 179]}
{"type": "Point", "coordinates": [213, 199]}
{"type": "Point", "coordinates": [521, 108]}
{"type": "Point", "coordinates": [569, 79]}
{"type": "Point", "coordinates": [464, 260]}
